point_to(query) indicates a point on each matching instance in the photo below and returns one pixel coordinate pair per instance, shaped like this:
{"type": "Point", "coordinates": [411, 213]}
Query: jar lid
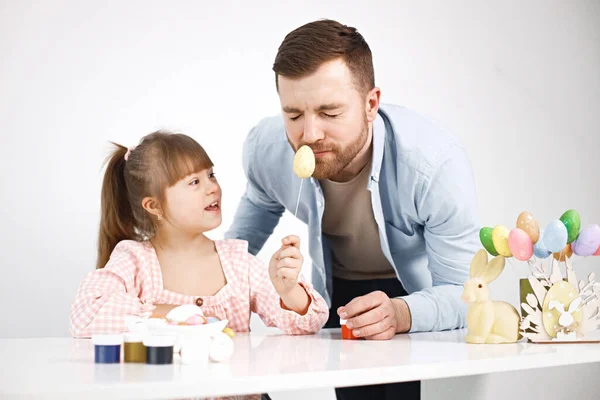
{"type": "Point", "coordinates": [133, 337]}
{"type": "Point", "coordinates": [159, 341]}
{"type": "Point", "coordinates": [107, 340]}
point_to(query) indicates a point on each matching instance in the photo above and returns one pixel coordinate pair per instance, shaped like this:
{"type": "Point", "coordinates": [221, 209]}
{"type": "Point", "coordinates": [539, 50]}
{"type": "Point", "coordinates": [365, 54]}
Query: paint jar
{"type": "Point", "coordinates": [134, 350]}
{"type": "Point", "coordinates": [159, 349]}
{"type": "Point", "coordinates": [107, 348]}
{"type": "Point", "coordinates": [346, 332]}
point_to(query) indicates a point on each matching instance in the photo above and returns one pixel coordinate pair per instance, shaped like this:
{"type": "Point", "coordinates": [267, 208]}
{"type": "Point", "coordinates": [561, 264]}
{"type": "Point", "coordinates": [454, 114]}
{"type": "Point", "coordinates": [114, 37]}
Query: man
{"type": "Point", "coordinates": [391, 206]}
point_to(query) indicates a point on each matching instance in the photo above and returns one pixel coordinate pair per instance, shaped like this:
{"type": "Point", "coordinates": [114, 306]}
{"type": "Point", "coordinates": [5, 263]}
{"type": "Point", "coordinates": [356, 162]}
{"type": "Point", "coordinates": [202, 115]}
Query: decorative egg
{"type": "Point", "coordinates": [566, 252]}
{"type": "Point", "coordinates": [485, 236]}
{"type": "Point", "coordinates": [572, 222]}
{"type": "Point", "coordinates": [530, 225]}
{"type": "Point", "coordinates": [196, 319]}
{"type": "Point", "coordinates": [539, 249]}
{"type": "Point", "coordinates": [500, 239]}
{"type": "Point", "coordinates": [555, 236]}
{"type": "Point", "coordinates": [588, 241]}
{"type": "Point", "coordinates": [182, 313]}
{"type": "Point", "coordinates": [564, 293]}
{"type": "Point", "coordinates": [520, 244]}
{"type": "Point", "coordinates": [304, 162]}
{"type": "Point", "coordinates": [221, 347]}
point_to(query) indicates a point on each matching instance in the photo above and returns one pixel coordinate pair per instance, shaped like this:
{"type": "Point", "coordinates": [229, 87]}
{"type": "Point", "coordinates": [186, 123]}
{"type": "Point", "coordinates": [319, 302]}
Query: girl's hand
{"type": "Point", "coordinates": [285, 265]}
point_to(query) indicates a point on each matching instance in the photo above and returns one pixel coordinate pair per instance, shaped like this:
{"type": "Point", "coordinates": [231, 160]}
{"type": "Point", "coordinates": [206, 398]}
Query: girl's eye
{"type": "Point", "coordinates": [195, 181]}
{"type": "Point", "coordinates": [212, 175]}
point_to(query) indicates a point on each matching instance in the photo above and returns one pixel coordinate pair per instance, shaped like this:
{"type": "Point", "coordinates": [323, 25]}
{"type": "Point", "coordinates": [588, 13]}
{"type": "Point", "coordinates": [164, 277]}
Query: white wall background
{"type": "Point", "coordinates": [519, 82]}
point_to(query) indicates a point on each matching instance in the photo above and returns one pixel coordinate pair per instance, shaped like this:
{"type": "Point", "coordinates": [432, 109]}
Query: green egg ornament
{"type": "Point", "coordinates": [572, 221]}
{"type": "Point", "coordinates": [485, 236]}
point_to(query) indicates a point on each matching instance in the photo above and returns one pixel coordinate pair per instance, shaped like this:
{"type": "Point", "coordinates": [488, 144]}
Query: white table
{"type": "Point", "coordinates": [64, 367]}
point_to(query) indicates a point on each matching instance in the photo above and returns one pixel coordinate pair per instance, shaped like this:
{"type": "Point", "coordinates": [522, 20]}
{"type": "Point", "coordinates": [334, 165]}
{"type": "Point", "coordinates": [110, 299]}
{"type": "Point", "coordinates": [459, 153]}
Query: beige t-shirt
{"type": "Point", "coordinates": [349, 225]}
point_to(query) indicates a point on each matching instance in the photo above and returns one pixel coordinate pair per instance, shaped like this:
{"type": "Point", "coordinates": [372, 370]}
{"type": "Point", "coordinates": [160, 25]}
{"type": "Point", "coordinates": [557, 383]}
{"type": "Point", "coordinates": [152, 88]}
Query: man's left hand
{"type": "Point", "coordinates": [375, 316]}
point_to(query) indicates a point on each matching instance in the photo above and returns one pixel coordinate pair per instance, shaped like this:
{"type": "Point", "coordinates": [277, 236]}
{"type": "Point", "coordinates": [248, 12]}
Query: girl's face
{"type": "Point", "coordinates": [194, 203]}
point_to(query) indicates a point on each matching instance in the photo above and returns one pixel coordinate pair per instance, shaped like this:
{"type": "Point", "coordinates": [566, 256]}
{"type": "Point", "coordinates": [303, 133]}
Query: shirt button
{"type": "Point", "coordinates": [199, 301]}
{"type": "Point", "coordinates": [319, 204]}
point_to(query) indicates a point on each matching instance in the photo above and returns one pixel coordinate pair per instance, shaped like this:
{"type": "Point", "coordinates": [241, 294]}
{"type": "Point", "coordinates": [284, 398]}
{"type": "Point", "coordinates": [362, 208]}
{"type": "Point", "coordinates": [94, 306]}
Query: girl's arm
{"type": "Point", "coordinates": [266, 302]}
{"type": "Point", "coordinates": [106, 296]}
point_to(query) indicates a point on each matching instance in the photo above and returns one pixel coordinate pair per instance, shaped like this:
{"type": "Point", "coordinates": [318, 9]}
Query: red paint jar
{"type": "Point", "coordinates": [346, 332]}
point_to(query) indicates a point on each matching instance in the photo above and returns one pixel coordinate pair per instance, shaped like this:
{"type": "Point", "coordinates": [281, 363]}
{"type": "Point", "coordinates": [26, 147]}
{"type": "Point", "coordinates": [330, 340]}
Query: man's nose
{"type": "Point", "coordinates": [312, 131]}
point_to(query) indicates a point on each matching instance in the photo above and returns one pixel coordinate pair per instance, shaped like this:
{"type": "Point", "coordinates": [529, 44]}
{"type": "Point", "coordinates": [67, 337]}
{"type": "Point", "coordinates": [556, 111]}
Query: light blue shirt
{"type": "Point", "coordinates": [423, 196]}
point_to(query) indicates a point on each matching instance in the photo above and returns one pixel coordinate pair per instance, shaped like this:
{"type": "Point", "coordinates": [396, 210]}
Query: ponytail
{"type": "Point", "coordinates": [117, 220]}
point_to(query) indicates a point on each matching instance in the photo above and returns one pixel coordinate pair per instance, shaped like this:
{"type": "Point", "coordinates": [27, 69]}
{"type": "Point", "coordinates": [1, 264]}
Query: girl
{"type": "Point", "coordinates": [158, 199]}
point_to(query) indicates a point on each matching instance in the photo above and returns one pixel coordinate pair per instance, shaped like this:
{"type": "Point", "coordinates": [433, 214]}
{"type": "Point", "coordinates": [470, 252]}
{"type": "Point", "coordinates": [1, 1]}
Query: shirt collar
{"type": "Point", "coordinates": [378, 144]}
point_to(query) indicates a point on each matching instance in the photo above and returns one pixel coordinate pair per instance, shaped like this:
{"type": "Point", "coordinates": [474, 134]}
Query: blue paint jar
{"type": "Point", "coordinates": [107, 348]}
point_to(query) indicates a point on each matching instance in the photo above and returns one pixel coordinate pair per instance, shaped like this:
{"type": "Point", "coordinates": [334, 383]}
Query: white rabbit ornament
{"type": "Point", "coordinates": [488, 321]}
{"type": "Point", "coordinates": [562, 312]}
{"type": "Point", "coordinates": [566, 316]}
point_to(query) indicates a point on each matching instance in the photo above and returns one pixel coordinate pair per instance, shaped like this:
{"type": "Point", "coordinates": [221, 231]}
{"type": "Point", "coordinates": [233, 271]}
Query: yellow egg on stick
{"type": "Point", "coordinates": [304, 166]}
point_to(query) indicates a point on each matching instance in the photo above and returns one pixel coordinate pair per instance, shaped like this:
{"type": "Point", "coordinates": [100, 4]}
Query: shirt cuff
{"type": "Point", "coordinates": [293, 323]}
{"type": "Point", "coordinates": [422, 315]}
{"type": "Point", "coordinates": [310, 297]}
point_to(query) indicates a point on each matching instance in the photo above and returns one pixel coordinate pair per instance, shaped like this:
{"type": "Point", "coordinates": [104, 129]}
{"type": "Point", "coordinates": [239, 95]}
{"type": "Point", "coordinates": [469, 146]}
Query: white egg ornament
{"type": "Point", "coordinates": [221, 347]}
{"type": "Point", "coordinates": [182, 313]}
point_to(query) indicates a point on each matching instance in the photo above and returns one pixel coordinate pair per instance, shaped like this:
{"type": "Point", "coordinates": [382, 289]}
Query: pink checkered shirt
{"type": "Point", "coordinates": [131, 284]}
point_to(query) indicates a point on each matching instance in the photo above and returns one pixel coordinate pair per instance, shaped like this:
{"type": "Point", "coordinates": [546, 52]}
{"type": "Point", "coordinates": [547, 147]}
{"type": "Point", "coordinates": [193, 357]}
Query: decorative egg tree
{"type": "Point", "coordinates": [554, 308]}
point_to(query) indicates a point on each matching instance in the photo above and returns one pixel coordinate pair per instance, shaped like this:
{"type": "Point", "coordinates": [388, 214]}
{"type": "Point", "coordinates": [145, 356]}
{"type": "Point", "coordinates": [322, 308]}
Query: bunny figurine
{"type": "Point", "coordinates": [488, 321]}
{"type": "Point", "coordinates": [566, 317]}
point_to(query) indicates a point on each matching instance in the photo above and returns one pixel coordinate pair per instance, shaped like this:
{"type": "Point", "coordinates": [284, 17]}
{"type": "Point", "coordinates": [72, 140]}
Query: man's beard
{"type": "Point", "coordinates": [332, 164]}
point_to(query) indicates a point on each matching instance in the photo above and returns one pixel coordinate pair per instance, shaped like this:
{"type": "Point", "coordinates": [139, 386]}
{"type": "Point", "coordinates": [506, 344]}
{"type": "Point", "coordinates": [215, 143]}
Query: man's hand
{"type": "Point", "coordinates": [375, 316]}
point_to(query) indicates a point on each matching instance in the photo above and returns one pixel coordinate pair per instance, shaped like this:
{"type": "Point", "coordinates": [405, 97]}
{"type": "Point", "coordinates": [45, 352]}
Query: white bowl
{"type": "Point", "coordinates": [159, 326]}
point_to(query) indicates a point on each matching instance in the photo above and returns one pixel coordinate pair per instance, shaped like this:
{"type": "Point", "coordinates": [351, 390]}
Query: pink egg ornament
{"type": "Point", "coordinates": [196, 319]}
{"type": "Point", "coordinates": [520, 244]}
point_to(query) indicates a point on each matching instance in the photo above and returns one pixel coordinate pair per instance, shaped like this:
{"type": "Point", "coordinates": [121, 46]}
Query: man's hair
{"type": "Point", "coordinates": [308, 47]}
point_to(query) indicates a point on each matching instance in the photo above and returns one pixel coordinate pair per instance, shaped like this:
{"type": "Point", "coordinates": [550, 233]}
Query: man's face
{"type": "Point", "coordinates": [326, 112]}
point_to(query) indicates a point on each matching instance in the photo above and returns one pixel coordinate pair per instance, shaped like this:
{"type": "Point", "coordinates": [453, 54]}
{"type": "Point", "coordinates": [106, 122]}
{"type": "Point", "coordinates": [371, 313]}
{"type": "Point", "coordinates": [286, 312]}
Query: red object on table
{"type": "Point", "coordinates": [346, 332]}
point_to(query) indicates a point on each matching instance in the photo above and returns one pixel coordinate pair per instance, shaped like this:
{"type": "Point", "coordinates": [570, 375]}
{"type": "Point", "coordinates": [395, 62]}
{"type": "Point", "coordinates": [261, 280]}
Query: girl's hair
{"type": "Point", "coordinates": [159, 161]}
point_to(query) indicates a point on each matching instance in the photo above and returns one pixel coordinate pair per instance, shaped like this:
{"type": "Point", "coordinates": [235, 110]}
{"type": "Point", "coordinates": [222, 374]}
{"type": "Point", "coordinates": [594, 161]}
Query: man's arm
{"type": "Point", "coordinates": [257, 214]}
{"type": "Point", "coordinates": [447, 208]}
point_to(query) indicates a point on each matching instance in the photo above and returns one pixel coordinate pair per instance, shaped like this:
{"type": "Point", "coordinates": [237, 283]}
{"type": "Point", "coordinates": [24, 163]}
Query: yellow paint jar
{"type": "Point", "coordinates": [134, 350]}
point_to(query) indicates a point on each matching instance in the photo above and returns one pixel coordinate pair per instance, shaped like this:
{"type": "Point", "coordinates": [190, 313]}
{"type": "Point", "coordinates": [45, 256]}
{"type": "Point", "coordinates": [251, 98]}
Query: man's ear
{"type": "Point", "coordinates": [372, 103]}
